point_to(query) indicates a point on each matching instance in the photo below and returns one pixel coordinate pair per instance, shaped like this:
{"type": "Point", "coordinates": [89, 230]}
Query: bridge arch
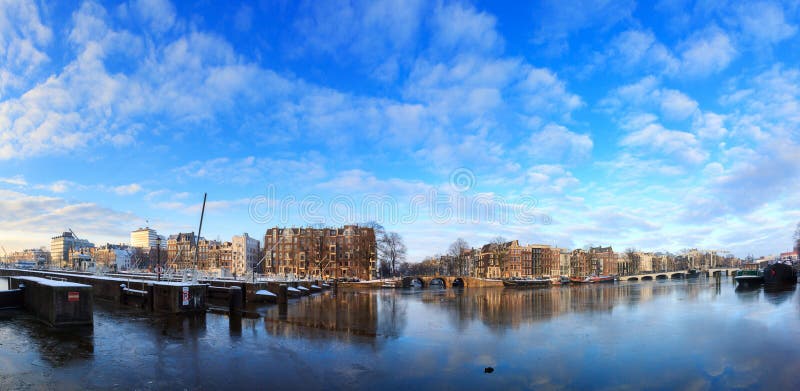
{"type": "Point", "coordinates": [458, 282]}
{"type": "Point", "coordinates": [647, 278]}
{"type": "Point", "coordinates": [635, 278]}
{"type": "Point", "coordinates": [438, 281]}
{"type": "Point", "coordinates": [661, 277]}
{"type": "Point", "coordinates": [411, 281]}
{"type": "Point", "coordinates": [676, 276]}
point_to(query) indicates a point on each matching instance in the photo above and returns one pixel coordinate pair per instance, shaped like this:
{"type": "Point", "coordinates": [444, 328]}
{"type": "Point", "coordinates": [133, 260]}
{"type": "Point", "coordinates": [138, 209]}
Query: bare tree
{"type": "Point", "coordinates": [457, 251]}
{"type": "Point", "coordinates": [392, 250]}
{"type": "Point", "coordinates": [499, 246]}
{"type": "Point", "coordinates": [633, 261]}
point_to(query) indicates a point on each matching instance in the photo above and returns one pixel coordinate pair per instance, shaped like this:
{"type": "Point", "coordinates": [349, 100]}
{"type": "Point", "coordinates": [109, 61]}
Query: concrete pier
{"type": "Point", "coordinates": [163, 296]}
{"type": "Point", "coordinates": [57, 303]}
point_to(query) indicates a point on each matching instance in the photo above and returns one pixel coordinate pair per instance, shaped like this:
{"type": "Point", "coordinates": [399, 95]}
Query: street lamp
{"type": "Point", "coordinates": [158, 257]}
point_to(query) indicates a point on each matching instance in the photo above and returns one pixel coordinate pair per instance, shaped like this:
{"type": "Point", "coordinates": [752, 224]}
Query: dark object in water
{"type": "Point", "coordinates": [780, 273]}
{"type": "Point", "coordinates": [488, 370]}
{"type": "Point", "coordinates": [749, 277]}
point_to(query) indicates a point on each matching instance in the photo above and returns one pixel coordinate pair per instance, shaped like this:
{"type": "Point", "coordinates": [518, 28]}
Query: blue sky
{"type": "Point", "coordinates": [655, 125]}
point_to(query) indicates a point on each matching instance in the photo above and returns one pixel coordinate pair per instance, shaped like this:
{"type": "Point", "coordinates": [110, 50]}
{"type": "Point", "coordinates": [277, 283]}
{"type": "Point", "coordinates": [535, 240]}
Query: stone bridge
{"type": "Point", "coordinates": [655, 276]}
{"type": "Point", "coordinates": [450, 281]}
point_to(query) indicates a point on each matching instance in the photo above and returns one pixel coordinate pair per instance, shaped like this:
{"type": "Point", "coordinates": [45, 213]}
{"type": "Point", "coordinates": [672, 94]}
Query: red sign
{"type": "Point", "coordinates": [73, 296]}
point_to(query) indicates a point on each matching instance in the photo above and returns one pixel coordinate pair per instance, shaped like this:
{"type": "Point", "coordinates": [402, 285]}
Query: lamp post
{"type": "Point", "coordinates": [158, 257]}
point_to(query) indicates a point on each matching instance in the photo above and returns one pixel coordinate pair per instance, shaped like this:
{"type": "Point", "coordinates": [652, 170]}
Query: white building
{"type": "Point", "coordinates": [246, 253]}
{"type": "Point", "coordinates": [145, 238]}
{"type": "Point", "coordinates": [60, 246]}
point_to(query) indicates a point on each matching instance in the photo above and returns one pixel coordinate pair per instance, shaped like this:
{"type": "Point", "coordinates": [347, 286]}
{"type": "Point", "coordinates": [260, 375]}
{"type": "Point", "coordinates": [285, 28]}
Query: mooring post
{"type": "Point", "coordinates": [235, 299]}
{"type": "Point", "coordinates": [122, 299]}
{"type": "Point", "coordinates": [283, 294]}
{"type": "Point", "coordinates": [151, 290]}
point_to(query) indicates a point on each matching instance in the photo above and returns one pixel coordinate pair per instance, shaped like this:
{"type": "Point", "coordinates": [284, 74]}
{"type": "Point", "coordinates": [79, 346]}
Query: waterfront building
{"type": "Point", "coordinates": [113, 257]}
{"type": "Point", "coordinates": [580, 265]}
{"type": "Point", "coordinates": [602, 260]}
{"type": "Point", "coordinates": [145, 238]}
{"type": "Point", "coordinates": [220, 258]}
{"type": "Point", "coordinates": [180, 251]}
{"type": "Point", "coordinates": [551, 261]}
{"type": "Point", "coordinates": [564, 262]}
{"type": "Point", "coordinates": [516, 264]}
{"type": "Point", "coordinates": [492, 259]}
{"type": "Point", "coordinates": [349, 251]}
{"type": "Point", "coordinates": [645, 262]}
{"type": "Point", "coordinates": [34, 256]}
{"type": "Point", "coordinates": [61, 245]}
{"type": "Point", "coordinates": [81, 258]}
{"type": "Point", "coordinates": [246, 253]}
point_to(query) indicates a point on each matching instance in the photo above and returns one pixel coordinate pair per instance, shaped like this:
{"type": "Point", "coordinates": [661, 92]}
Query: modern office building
{"type": "Point", "coordinates": [146, 238]}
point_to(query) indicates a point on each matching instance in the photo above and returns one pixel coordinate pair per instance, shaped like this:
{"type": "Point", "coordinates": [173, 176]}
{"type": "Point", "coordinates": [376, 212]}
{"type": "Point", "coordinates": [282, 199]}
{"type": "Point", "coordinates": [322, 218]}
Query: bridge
{"type": "Point", "coordinates": [450, 281]}
{"type": "Point", "coordinates": [720, 271]}
{"type": "Point", "coordinates": [655, 276]}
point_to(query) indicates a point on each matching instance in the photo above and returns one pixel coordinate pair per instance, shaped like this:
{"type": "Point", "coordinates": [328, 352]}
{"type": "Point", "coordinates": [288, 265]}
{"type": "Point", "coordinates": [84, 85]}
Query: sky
{"type": "Point", "coordinates": [655, 125]}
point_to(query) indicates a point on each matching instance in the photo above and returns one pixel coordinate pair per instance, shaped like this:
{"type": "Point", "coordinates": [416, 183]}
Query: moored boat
{"type": "Point", "coordinates": [560, 280]}
{"type": "Point", "coordinates": [749, 277]}
{"type": "Point", "coordinates": [780, 274]}
{"type": "Point", "coordinates": [579, 280]}
{"type": "Point", "coordinates": [601, 279]}
{"type": "Point", "coordinates": [526, 283]}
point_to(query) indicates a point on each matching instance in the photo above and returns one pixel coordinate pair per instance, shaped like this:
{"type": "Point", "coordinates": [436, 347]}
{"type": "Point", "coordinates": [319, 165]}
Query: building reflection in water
{"type": "Point", "coordinates": [349, 316]}
{"type": "Point", "coordinates": [369, 315]}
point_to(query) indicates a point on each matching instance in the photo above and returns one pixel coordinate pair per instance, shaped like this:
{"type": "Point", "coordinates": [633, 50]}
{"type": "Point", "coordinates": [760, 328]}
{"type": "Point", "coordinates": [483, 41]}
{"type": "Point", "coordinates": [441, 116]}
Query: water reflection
{"type": "Point", "coordinates": [662, 334]}
{"type": "Point", "coordinates": [352, 316]}
{"type": "Point", "coordinates": [385, 313]}
{"type": "Point", "coordinates": [779, 294]}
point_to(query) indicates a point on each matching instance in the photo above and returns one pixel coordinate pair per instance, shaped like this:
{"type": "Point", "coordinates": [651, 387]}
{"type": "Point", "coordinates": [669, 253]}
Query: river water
{"type": "Point", "coordinates": [680, 334]}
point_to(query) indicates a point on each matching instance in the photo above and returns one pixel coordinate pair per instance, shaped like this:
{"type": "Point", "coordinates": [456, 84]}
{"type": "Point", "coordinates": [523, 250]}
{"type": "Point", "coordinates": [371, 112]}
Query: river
{"type": "Point", "coordinates": [679, 334]}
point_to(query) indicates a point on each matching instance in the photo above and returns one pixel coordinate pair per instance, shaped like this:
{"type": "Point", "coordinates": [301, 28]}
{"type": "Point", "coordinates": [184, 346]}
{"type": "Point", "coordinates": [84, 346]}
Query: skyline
{"type": "Point", "coordinates": [658, 127]}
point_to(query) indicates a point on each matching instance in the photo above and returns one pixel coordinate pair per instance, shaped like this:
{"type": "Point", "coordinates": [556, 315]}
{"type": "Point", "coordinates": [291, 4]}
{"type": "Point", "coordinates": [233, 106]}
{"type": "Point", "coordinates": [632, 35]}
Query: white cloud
{"type": "Point", "coordinates": [549, 179]}
{"type": "Point", "coordinates": [159, 15]}
{"type": "Point", "coordinates": [555, 20]}
{"type": "Point", "coordinates": [253, 169]}
{"type": "Point", "coordinates": [23, 43]}
{"type": "Point", "coordinates": [707, 52]}
{"type": "Point", "coordinates": [676, 105]}
{"type": "Point", "coordinates": [655, 137]}
{"type": "Point", "coordinates": [37, 218]}
{"type": "Point", "coordinates": [463, 28]}
{"type": "Point", "coordinates": [132, 188]}
{"type": "Point", "coordinates": [709, 125]}
{"type": "Point", "coordinates": [16, 180]}
{"type": "Point", "coordinates": [544, 93]}
{"type": "Point", "coordinates": [555, 143]}
{"type": "Point", "coordinates": [372, 33]}
{"type": "Point", "coordinates": [764, 21]}
{"type": "Point", "coordinates": [61, 186]}
{"type": "Point", "coordinates": [637, 50]}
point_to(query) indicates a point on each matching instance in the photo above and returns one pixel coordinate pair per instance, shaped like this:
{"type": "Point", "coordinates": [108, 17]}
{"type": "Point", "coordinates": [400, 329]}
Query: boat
{"type": "Point", "coordinates": [578, 280]}
{"type": "Point", "coordinates": [561, 280]}
{"type": "Point", "coordinates": [692, 273]}
{"type": "Point", "coordinates": [749, 277]}
{"type": "Point", "coordinates": [780, 274]}
{"type": "Point", "coordinates": [526, 283]}
{"type": "Point", "coordinates": [595, 279]}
